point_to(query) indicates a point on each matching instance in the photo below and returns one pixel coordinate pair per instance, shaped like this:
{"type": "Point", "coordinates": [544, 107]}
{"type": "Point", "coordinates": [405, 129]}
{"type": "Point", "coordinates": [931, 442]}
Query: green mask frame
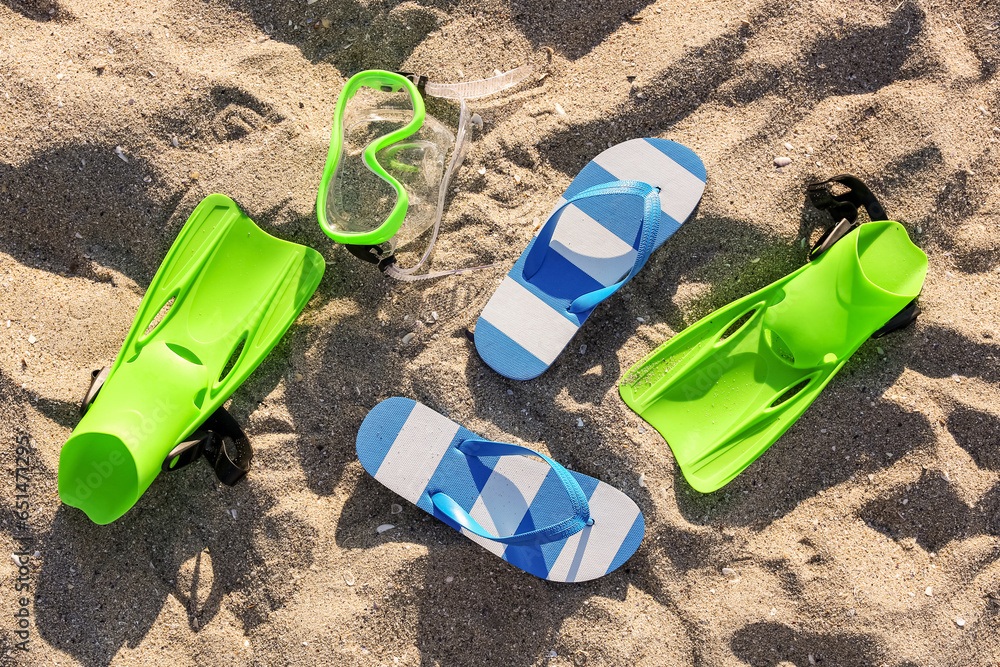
{"type": "Point", "coordinates": [385, 82]}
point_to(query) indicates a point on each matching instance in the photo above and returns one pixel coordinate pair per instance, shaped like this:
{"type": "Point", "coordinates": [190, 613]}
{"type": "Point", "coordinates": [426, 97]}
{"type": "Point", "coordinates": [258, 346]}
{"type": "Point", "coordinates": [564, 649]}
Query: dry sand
{"type": "Point", "coordinates": [858, 539]}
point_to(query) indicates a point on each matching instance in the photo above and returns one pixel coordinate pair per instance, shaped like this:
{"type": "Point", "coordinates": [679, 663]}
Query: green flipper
{"type": "Point", "coordinates": [722, 391]}
{"type": "Point", "coordinates": [231, 291]}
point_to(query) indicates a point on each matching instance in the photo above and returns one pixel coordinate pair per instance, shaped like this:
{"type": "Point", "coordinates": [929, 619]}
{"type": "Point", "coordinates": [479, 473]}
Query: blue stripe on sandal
{"type": "Point", "coordinates": [594, 238]}
{"type": "Point", "coordinates": [551, 522]}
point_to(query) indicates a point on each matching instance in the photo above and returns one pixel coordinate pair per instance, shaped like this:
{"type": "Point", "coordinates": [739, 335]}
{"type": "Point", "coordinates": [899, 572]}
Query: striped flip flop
{"type": "Point", "coordinates": [551, 522]}
{"type": "Point", "coordinates": [620, 208]}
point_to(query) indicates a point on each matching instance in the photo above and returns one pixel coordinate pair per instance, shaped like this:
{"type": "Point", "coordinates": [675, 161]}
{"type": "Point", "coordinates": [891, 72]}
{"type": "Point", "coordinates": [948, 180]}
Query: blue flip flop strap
{"type": "Point", "coordinates": [557, 531]}
{"type": "Point", "coordinates": [648, 228]}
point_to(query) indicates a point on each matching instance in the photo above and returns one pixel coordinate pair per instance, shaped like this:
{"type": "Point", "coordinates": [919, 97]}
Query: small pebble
{"type": "Point", "coordinates": [120, 153]}
{"type": "Point", "coordinates": [448, 580]}
{"type": "Point", "coordinates": [728, 571]}
{"type": "Point", "coordinates": [510, 392]}
{"type": "Point", "coordinates": [929, 591]}
{"type": "Point", "coordinates": [559, 110]}
{"type": "Point", "coordinates": [326, 22]}
{"type": "Point", "coordinates": [482, 170]}
{"type": "Point", "coordinates": [408, 337]}
{"type": "Point", "coordinates": [782, 161]}
{"type": "Point", "coordinates": [434, 315]}
{"type": "Point", "coordinates": [101, 66]}
{"type": "Point", "coordinates": [579, 423]}
{"type": "Point", "coordinates": [176, 144]}
{"type": "Point", "coordinates": [879, 350]}
{"type": "Point", "coordinates": [789, 147]}
{"type": "Point", "coordinates": [396, 508]}
{"type": "Point", "coordinates": [348, 578]}
{"type": "Point", "coordinates": [640, 320]}
{"type": "Point", "coordinates": [960, 622]}
{"type": "Point", "coordinates": [583, 349]}
{"type": "Point", "coordinates": [384, 527]}
{"type": "Point", "coordinates": [642, 479]}
{"type": "Point", "coordinates": [195, 175]}
{"type": "Point", "coordinates": [32, 339]}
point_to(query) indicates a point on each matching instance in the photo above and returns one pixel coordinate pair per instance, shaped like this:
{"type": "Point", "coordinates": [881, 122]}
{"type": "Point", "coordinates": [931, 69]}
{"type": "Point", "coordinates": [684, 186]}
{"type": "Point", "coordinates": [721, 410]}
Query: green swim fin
{"type": "Point", "coordinates": [725, 389]}
{"type": "Point", "coordinates": [220, 301]}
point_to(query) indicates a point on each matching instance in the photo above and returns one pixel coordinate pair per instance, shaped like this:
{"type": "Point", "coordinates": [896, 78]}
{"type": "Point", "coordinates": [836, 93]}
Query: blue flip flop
{"type": "Point", "coordinates": [554, 523]}
{"type": "Point", "coordinates": [620, 208]}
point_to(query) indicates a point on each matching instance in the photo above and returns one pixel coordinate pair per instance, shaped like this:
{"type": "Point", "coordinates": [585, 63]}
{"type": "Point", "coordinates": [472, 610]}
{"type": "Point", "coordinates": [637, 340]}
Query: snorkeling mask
{"type": "Point", "coordinates": [387, 172]}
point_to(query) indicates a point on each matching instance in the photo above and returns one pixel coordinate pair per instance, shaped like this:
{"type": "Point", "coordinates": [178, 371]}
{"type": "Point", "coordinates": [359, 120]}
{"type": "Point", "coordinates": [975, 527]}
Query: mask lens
{"type": "Point", "coordinates": [359, 200]}
{"type": "Point", "coordinates": [418, 163]}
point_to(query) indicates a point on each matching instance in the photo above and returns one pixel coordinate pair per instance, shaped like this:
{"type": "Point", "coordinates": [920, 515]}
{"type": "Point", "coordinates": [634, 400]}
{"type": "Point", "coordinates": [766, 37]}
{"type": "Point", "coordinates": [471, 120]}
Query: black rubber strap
{"type": "Point", "coordinates": [220, 440]}
{"type": "Point", "coordinates": [229, 449]}
{"type": "Point", "coordinates": [371, 254]}
{"type": "Point", "coordinates": [366, 253]}
{"type": "Point", "coordinates": [418, 80]}
{"type": "Point", "coordinates": [903, 319]}
{"type": "Point", "coordinates": [845, 206]}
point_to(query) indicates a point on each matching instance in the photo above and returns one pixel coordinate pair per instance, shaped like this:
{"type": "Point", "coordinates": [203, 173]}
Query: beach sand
{"type": "Point", "coordinates": [867, 535]}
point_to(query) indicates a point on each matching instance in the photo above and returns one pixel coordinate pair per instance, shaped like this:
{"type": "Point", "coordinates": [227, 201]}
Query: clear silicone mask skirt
{"type": "Point", "coordinates": [385, 129]}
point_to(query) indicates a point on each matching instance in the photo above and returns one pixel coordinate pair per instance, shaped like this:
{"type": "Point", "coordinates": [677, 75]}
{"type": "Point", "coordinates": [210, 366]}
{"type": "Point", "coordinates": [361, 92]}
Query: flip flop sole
{"type": "Point", "coordinates": [412, 450]}
{"type": "Point", "coordinates": [526, 324]}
